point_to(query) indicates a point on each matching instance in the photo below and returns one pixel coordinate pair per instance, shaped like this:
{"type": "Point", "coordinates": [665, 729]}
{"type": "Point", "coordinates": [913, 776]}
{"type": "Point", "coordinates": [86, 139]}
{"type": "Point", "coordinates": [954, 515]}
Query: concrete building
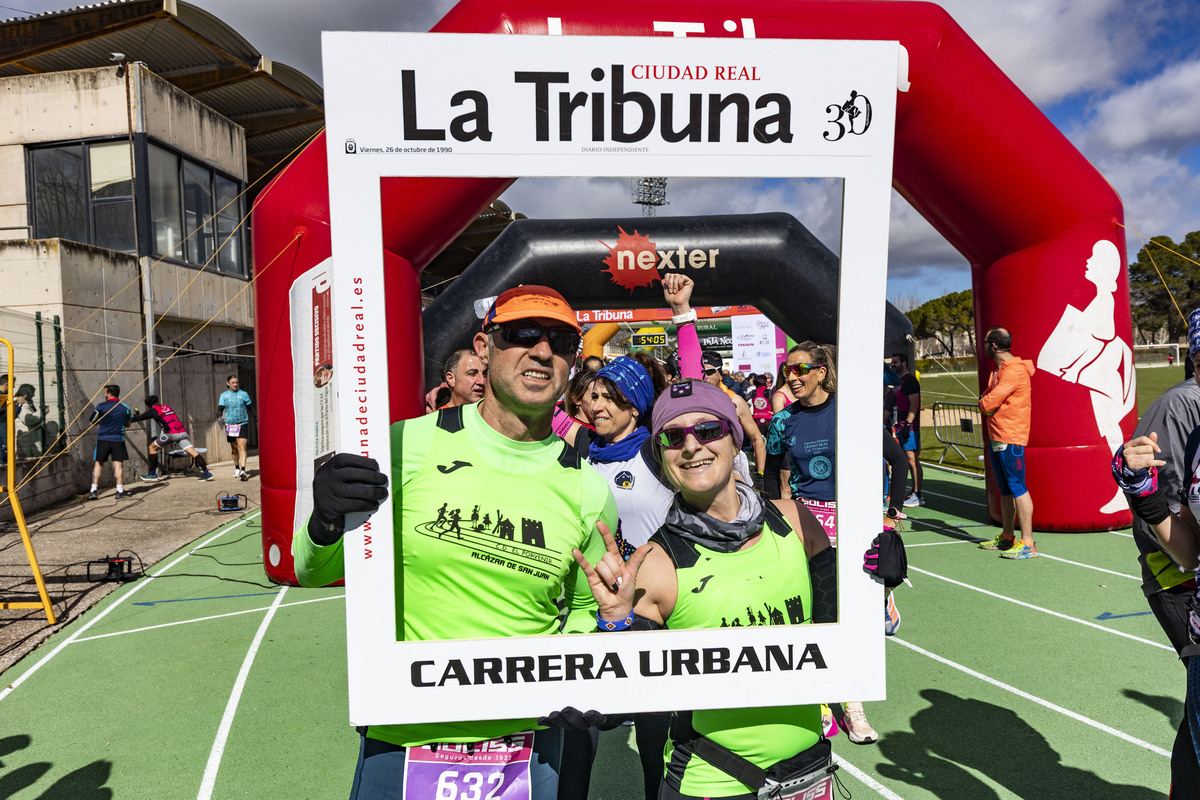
{"type": "Point", "coordinates": [133, 140]}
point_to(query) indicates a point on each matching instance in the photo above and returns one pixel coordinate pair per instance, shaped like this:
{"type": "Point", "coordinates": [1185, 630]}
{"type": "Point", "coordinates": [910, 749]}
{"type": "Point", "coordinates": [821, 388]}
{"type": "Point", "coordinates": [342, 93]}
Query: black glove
{"type": "Point", "coordinates": [885, 559]}
{"type": "Point", "coordinates": [902, 429]}
{"type": "Point", "coordinates": [571, 717]}
{"type": "Point", "coordinates": [345, 484]}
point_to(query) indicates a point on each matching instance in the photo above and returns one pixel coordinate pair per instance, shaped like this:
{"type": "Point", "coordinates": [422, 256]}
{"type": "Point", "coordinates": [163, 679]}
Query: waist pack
{"type": "Point", "coordinates": [807, 774]}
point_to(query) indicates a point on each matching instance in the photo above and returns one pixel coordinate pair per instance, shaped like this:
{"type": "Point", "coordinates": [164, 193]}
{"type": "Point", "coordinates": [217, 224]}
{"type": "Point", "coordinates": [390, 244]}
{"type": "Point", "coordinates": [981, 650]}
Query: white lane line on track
{"type": "Point", "coordinates": [207, 619]}
{"type": "Point", "coordinates": [1043, 610]}
{"type": "Point", "coordinates": [955, 499]}
{"type": "Point", "coordinates": [936, 544]}
{"type": "Point", "coordinates": [1089, 566]}
{"type": "Point", "coordinates": [235, 697]}
{"type": "Point", "coordinates": [1100, 726]}
{"type": "Point", "coordinates": [75, 636]}
{"type": "Point", "coordinates": [959, 530]}
{"type": "Point", "coordinates": [871, 783]}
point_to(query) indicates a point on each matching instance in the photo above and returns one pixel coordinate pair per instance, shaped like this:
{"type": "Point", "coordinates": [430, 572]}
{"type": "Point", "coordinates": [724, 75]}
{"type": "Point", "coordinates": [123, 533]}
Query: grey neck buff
{"type": "Point", "coordinates": [695, 526]}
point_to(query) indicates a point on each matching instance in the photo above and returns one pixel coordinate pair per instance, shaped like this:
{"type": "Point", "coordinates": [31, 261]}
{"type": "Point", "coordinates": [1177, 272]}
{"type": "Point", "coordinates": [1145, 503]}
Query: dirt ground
{"type": "Point", "coordinates": [159, 519]}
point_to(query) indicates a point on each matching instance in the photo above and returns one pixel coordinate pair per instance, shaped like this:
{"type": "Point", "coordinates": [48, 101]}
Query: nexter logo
{"type": "Point", "coordinates": [634, 260]}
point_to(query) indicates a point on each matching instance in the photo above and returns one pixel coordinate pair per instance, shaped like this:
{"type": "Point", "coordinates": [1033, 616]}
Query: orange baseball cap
{"type": "Point", "coordinates": [526, 302]}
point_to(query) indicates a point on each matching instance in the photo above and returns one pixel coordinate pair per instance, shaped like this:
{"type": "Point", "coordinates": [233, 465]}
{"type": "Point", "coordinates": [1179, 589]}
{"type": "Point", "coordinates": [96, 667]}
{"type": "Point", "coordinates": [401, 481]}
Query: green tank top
{"type": "Point", "coordinates": [767, 584]}
{"type": "Point", "coordinates": [483, 529]}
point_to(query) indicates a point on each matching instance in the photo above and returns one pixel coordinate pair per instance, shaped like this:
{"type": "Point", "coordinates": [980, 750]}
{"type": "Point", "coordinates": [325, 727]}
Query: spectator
{"type": "Point", "coordinates": [464, 374]}
{"type": "Point", "coordinates": [1007, 407]}
{"type": "Point", "coordinates": [908, 424]}
{"type": "Point", "coordinates": [593, 363]}
{"type": "Point", "coordinates": [110, 418]}
{"type": "Point", "coordinates": [712, 374]}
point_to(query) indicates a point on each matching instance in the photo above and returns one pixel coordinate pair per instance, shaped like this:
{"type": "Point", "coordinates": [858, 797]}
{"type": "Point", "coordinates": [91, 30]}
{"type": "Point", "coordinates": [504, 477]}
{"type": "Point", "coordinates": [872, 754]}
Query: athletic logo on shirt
{"type": "Point", "coordinates": [447, 469]}
{"type": "Point", "coordinates": [820, 468]}
{"type": "Point", "coordinates": [794, 607]}
{"type": "Point", "coordinates": [517, 543]}
{"type": "Point", "coordinates": [624, 479]}
{"type": "Point", "coordinates": [703, 582]}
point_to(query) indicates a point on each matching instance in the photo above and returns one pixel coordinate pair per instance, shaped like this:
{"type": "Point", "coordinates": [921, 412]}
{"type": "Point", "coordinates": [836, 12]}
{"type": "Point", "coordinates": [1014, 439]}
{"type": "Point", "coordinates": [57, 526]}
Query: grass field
{"type": "Point", "coordinates": [961, 388]}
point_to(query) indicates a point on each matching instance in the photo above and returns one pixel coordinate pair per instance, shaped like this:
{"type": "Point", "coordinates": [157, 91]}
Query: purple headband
{"type": "Point", "coordinates": [686, 397]}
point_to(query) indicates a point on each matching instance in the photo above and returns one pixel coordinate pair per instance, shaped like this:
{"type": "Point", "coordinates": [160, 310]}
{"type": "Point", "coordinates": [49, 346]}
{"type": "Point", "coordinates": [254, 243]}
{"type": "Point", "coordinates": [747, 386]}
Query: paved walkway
{"type": "Point", "coordinates": [159, 519]}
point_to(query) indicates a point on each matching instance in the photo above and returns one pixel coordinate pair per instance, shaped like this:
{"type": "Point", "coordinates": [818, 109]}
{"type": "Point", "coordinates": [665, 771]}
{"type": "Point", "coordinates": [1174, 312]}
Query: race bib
{"type": "Point", "coordinates": [495, 769]}
{"type": "Point", "coordinates": [826, 513]}
{"type": "Point", "coordinates": [233, 430]}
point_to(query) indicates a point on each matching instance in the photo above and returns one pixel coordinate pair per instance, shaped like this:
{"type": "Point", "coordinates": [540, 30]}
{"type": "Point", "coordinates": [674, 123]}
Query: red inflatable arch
{"type": "Point", "coordinates": [973, 155]}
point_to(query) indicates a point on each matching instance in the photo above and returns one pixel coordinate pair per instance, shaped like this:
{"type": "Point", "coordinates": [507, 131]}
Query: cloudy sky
{"type": "Point", "coordinates": [1121, 78]}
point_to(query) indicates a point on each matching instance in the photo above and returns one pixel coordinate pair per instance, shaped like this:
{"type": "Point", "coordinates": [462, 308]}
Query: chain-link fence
{"type": "Point", "coordinates": [38, 403]}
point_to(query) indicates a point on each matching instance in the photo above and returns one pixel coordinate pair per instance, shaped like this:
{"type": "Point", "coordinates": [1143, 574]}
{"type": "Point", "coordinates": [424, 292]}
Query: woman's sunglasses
{"type": "Point", "coordinates": [705, 432]}
{"type": "Point", "coordinates": [800, 369]}
{"type": "Point", "coordinates": [564, 341]}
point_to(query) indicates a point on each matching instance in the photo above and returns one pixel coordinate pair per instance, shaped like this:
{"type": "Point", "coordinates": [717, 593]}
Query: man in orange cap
{"type": "Point", "coordinates": [519, 495]}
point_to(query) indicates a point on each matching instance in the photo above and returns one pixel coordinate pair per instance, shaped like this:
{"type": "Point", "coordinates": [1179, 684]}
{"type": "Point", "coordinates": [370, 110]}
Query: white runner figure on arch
{"type": "Point", "coordinates": [1085, 349]}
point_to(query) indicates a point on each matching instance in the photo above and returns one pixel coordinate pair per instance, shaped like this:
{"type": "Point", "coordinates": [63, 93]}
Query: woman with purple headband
{"type": "Point", "coordinates": [619, 405]}
{"type": "Point", "coordinates": [771, 560]}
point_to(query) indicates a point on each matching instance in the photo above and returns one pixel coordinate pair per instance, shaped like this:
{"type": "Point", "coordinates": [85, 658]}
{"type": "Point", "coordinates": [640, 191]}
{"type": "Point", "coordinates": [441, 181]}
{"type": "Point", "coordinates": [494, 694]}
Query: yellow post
{"type": "Point", "coordinates": [10, 459]}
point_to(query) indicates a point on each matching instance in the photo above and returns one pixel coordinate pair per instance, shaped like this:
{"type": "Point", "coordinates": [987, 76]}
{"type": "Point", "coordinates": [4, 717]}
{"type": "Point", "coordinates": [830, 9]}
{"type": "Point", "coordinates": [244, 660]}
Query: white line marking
{"type": "Point", "coordinates": [1089, 566]}
{"type": "Point", "coordinates": [235, 697]}
{"type": "Point", "coordinates": [1043, 610]}
{"type": "Point", "coordinates": [958, 499]}
{"type": "Point", "coordinates": [1100, 726]}
{"type": "Point", "coordinates": [1118, 533]}
{"type": "Point", "coordinates": [75, 636]}
{"type": "Point", "coordinates": [871, 783]}
{"type": "Point", "coordinates": [207, 619]}
{"type": "Point", "coordinates": [935, 544]}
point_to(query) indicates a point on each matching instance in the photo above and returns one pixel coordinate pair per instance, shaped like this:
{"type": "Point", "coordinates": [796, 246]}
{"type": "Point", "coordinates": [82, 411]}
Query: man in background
{"type": "Point", "coordinates": [110, 418]}
{"type": "Point", "coordinates": [1007, 408]}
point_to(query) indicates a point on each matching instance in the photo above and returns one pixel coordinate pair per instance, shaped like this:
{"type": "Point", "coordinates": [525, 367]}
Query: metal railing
{"type": "Point", "coordinates": [958, 425]}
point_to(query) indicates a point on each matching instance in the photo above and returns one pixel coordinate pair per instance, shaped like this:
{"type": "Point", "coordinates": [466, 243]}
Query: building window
{"type": "Point", "coordinates": [196, 212]}
{"type": "Point", "coordinates": [82, 192]}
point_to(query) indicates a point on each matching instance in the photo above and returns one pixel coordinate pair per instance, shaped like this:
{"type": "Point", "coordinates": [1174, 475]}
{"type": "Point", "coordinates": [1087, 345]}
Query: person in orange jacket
{"type": "Point", "coordinates": [1007, 407]}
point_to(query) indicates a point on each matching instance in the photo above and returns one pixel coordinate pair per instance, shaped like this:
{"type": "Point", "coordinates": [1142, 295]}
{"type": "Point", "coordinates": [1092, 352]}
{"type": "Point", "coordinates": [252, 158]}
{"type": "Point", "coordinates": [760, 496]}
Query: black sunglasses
{"type": "Point", "coordinates": [710, 370]}
{"type": "Point", "coordinates": [800, 369]}
{"type": "Point", "coordinates": [705, 432]}
{"type": "Point", "coordinates": [563, 341]}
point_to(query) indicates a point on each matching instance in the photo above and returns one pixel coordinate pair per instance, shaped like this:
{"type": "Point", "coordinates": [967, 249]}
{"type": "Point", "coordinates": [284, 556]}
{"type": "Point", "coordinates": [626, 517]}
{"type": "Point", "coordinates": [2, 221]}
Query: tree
{"type": "Point", "coordinates": [945, 318]}
{"type": "Point", "coordinates": [1149, 300]}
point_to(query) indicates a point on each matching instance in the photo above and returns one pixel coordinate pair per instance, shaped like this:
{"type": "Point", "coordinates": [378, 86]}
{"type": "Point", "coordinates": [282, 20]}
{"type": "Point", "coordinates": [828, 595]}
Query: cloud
{"type": "Point", "coordinates": [1160, 113]}
{"type": "Point", "coordinates": [1053, 49]}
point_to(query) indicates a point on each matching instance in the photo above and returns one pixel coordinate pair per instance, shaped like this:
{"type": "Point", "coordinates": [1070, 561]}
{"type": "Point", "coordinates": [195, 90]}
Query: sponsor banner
{"type": "Point", "coordinates": [591, 106]}
{"type": "Point", "coordinates": [314, 393]}
{"type": "Point", "coordinates": [753, 344]}
{"type": "Point", "coordinates": [652, 314]}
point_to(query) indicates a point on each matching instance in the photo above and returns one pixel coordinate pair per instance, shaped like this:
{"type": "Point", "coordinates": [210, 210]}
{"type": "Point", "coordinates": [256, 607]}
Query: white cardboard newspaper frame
{"type": "Point", "coordinates": [825, 83]}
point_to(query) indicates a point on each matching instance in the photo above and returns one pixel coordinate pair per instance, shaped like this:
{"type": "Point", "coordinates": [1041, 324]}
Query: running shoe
{"type": "Point", "coordinates": [859, 731]}
{"type": "Point", "coordinates": [245, 475]}
{"type": "Point", "coordinates": [1001, 542]}
{"type": "Point", "coordinates": [93, 496]}
{"type": "Point", "coordinates": [206, 476]}
{"type": "Point", "coordinates": [829, 726]}
{"type": "Point", "coordinates": [891, 617]}
{"type": "Point", "coordinates": [149, 477]}
{"type": "Point", "coordinates": [124, 495]}
{"type": "Point", "coordinates": [1022, 550]}
{"type": "Point", "coordinates": [914, 500]}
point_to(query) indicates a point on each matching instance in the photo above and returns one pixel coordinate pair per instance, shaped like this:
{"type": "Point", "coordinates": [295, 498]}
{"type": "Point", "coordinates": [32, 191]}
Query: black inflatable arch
{"type": "Point", "coordinates": [769, 261]}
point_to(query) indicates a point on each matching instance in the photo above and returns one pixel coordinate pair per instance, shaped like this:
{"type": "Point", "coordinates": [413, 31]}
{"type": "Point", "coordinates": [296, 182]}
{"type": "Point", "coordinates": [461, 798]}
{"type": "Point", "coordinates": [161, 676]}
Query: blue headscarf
{"type": "Point", "coordinates": [632, 379]}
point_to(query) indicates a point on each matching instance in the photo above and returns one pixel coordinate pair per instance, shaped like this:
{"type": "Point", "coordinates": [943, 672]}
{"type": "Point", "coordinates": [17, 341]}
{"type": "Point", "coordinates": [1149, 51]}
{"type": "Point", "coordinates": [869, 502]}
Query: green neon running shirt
{"type": "Point", "coordinates": [767, 584]}
{"type": "Point", "coordinates": [484, 527]}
